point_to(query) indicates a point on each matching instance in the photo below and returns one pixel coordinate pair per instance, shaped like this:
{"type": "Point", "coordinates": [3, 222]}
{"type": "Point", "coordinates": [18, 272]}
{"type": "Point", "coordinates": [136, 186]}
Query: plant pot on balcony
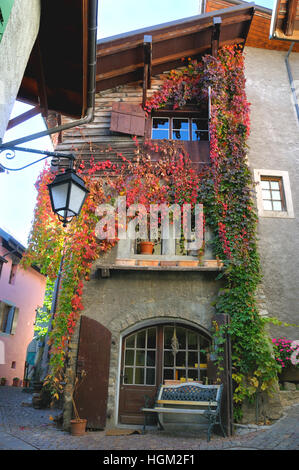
{"type": "Point", "coordinates": [168, 263]}
{"type": "Point", "coordinates": [188, 263]}
{"type": "Point", "coordinates": [146, 248]}
{"type": "Point", "coordinates": [211, 263]}
{"type": "Point", "coordinates": [125, 262]}
{"type": "Point", "coordinates": [148, 262]}
{"type": "Point", "coordinates": [78, 427]}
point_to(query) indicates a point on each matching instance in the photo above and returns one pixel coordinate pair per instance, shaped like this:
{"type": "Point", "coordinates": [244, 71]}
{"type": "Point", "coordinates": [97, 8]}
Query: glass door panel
{"type": "Point", "coordinates": [140, 358]}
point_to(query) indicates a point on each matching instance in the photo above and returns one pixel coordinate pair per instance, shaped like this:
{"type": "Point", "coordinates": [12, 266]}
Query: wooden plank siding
{"type": "Point", "coordinates": [97, 140]}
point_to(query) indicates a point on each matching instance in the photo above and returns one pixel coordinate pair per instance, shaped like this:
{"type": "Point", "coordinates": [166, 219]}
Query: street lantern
{"type": "Point", "coordinates": [67, 194]}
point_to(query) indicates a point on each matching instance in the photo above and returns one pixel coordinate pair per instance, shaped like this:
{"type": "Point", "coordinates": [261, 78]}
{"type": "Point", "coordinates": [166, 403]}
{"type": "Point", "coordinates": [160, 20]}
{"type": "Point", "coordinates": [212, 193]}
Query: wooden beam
{"type": "Point", "coordinates": [163, 60]}
{"type": "Point", "coordinates": [111, 48]}
{"type": "Point", "coordinates": [147, 66]}
{"type": "Point", "coordinates": [216, 35]}
{"type": "Point", "coordinates": [290, 17]}
{"type": "Point", "coordinates": [40, 77]}
{"type": "Point", "coordinates": [23, 117]}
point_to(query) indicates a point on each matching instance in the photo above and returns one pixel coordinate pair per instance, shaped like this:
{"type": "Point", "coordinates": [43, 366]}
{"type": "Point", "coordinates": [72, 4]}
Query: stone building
{"type": "Point", "coordinates": [273, 158]}
{"type": "Point", "coordinates": [132, 312]}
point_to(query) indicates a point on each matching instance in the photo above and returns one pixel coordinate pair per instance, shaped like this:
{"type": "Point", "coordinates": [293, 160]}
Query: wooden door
{"type": "Point", "coordinates": [94, 359]}
{"type": "Point", "coordinates": [139, 374]}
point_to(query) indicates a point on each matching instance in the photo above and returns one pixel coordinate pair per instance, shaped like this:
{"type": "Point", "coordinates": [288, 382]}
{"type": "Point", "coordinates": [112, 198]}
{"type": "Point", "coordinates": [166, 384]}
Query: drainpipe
{"type": "Point", "coordinates": [291, 80]}
{"type": "Point", "coordinates": [92, 61]}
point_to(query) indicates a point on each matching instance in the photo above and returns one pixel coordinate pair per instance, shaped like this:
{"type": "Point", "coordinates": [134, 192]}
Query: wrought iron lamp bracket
{"type": "Point", "coordinates": [9, 153]}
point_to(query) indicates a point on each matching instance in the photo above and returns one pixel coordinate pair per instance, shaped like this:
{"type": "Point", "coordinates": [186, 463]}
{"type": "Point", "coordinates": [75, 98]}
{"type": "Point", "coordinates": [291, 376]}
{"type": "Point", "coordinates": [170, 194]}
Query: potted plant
{"type": "Point", "coordinates": [3, 381]}
{"type": "Point", "coordinates": [78, 425]}
{"type": "Point", "coordinates": [146, 247]}
{"type": "Point", "coordinates": [15, 381]}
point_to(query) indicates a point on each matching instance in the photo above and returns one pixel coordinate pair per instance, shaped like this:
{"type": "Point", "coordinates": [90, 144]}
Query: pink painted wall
{"type": "Point", "coordinates": [27, 293]}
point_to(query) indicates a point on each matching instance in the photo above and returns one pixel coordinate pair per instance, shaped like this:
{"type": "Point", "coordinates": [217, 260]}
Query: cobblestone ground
{"type": "Point", "coordinates": [23, 427]}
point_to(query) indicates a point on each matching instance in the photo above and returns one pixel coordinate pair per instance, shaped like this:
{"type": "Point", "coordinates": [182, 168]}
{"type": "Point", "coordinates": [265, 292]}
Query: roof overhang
{"type": "Point", "coordinates": [121, 59]}
{"type": "Point", "coordinates": [56, 76]}
{"type": "Point", "coordinates": [259, 34]}
{"type": "Point", "coordinates": [285, 20]}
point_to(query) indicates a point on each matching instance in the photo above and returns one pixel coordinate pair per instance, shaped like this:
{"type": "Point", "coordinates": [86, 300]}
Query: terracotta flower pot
{"type": "Point", "coordinates": [146, 248]}
{"type": "Point", "coordinates": [211, 263]}
{"type": "Point", "coordinates": [168, 263]}
{"type": "Point", "coordinates": [3, 381]}
{"type": "Point", "coordinates": [148, 262]}
{"type": "Point", "coordinates": [78, 427]}
{"type": "Point", "coordinates": [125, 262]}
{"type": "Point", "coordinates": [188, 263]}
{"type": "Point", "coordinates": [15, 382]}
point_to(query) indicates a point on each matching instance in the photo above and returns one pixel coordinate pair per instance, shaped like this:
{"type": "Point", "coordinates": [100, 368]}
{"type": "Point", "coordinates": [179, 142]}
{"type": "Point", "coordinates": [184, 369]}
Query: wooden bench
{"type": "Point", "coordinates": [188, 398]}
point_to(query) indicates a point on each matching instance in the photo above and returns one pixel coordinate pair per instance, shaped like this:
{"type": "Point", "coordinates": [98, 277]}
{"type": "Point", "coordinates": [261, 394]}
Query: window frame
{"type": "Point", "coordinates": [181, 115]}
{"type": "Point", "coordinates": [160, 349]}
{"type": "Point", "coordinates": [10, 320]}
{"type": "Point", "coordinates": [278, 180]}
{"type": "Point", "coordinates": [285, 192]}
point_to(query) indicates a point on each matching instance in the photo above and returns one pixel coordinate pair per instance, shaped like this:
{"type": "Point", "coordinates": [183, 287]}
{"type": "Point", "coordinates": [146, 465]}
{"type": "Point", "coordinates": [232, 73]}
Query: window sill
{"type": "Point", "coordinates": [275, 214]}
{"type": "Point", "coordinates": [147, 264]}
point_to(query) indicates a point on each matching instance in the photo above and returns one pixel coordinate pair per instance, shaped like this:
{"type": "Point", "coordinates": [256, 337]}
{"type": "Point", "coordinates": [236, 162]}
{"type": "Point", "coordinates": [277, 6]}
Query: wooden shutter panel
{"type": "Point", "coordinates": [128, 118]}
{"type": "Point", "coordinates": [94, 359]}
{"type": "Point", "coordinates": [9, 322]}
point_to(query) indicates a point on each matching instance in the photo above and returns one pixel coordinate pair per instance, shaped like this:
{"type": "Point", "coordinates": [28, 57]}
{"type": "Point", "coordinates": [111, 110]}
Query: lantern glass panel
{"type": "Point", "coordinates": [77, 196]}
{"type": "Point", "coordinates": [59, 195]}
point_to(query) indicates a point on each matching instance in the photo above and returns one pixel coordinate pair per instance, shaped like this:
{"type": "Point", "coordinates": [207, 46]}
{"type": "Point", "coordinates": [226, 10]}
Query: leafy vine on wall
{"type": "Point", "coordinates": [225, 190]}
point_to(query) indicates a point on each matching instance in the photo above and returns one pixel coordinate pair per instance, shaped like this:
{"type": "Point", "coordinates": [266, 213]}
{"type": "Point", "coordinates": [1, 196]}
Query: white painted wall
{"type": "Point", "coordinates": [15, 48]}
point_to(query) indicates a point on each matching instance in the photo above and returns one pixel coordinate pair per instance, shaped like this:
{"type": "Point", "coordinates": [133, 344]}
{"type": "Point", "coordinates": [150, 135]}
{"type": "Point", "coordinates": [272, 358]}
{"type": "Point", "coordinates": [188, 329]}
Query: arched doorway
{"type": "Point", "coordinates": [152, 355]}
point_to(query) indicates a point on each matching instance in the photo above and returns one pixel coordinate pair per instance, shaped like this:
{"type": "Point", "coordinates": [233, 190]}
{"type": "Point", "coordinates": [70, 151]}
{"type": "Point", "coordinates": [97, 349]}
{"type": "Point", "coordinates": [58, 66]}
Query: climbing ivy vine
{"type": "Point", "coordinates": [225, 190]}
{"type": "Point", "coordinates": [227, 197]}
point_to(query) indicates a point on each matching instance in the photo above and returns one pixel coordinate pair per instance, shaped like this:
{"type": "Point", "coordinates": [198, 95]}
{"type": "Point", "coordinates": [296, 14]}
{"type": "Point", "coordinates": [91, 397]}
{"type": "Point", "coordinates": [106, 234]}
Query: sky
{"type": "Point", "coordinates": [17, 191]}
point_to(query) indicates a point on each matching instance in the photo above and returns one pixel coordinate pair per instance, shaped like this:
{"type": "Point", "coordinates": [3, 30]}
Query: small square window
{"type": "Point", "coordinates": [273, 191]}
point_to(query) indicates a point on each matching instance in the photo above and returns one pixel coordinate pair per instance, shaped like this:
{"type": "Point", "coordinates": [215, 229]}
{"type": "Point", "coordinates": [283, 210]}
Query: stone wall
{"type": "Point", "coordinates": [274, 145]}
{"type": "Point", "coordinates": [129, 300]}
{"type": "Point", "coordinates": [270, 407]}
